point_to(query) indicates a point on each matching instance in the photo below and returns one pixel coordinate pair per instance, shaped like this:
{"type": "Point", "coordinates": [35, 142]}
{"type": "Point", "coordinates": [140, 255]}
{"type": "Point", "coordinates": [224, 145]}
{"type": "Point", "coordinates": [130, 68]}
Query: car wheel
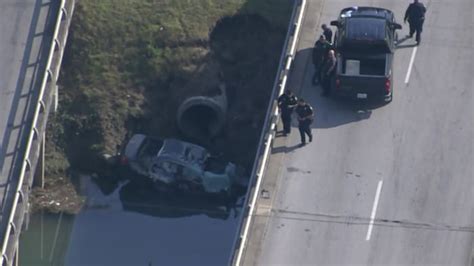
{"type": "Point", "coordinates": [388, 99]}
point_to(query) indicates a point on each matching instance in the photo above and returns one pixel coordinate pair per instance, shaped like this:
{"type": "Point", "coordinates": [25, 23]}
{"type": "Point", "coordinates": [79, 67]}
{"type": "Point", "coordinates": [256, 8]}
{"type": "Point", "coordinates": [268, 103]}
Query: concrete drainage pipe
{"type": "Point", "coordinates": [203, 117]}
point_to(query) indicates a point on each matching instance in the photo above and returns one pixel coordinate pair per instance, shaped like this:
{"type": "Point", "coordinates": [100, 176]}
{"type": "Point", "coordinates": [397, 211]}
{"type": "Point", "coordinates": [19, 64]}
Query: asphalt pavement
{"type": "Point", "coordinates": [385, 185]}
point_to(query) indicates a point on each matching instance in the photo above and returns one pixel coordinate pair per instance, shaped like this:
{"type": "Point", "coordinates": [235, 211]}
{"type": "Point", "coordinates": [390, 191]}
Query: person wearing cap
{"type": "Point", "coordinates": [305, 118]}
{"type": "Point", "coordinates": [287, 103]}
{"type": "Point", "coordinates": [327, 32]}
{"type": "Point", "coordinates": [415, 14]}
{"type": "Point", "coordinates": [320, 51]}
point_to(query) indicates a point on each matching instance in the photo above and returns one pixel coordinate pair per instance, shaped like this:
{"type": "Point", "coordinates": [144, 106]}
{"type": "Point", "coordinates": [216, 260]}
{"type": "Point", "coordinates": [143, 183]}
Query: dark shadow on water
{"type": "Point", "coordinates": [153, 226]}
{"type": "Point", "coordinates": [144, 199]}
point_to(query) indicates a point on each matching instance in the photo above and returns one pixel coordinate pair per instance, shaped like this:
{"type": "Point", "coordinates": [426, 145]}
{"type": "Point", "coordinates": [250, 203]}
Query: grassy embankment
{"type": "Point", "coordinates": [127, 60]}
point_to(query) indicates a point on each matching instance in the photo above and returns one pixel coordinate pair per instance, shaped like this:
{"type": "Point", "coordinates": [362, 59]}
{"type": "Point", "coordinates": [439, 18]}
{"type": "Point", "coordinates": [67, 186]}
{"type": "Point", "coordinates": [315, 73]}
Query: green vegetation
{"type": "Point", "coordinates": [128, 60]}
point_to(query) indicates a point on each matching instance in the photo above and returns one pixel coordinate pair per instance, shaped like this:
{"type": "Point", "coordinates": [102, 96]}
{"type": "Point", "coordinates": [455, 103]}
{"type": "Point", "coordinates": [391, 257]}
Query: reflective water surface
{"type": "Point", "coordinates": [134, 225]}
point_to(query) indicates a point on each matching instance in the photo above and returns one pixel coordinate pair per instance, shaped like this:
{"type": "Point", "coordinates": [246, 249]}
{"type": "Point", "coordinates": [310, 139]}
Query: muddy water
{"type": "Point", "coordinates": [133, 225]}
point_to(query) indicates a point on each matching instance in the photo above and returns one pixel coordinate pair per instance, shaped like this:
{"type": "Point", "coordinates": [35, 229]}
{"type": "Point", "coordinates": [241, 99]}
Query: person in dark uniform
{"type": "Point", "coordinates": [287, 103]}
{"type": "Point", "coordinates": [328, 70]}
{"type": "Point", "coordinates": [320, 52]}
{"type": "Point", "coordinates": [305, 118]}
{"type": "Point", "coordinates": [415, 14]}
{"type": "Point", "coordinates": [327, 32]}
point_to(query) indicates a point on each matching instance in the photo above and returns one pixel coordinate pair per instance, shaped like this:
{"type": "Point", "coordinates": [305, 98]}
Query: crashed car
{"type": "Point", "coordinates": [180, 164]}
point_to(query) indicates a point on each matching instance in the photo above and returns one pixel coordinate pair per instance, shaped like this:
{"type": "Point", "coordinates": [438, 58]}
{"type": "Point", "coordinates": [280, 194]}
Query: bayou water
{"type": "Point", "coordinates": [133, 224]}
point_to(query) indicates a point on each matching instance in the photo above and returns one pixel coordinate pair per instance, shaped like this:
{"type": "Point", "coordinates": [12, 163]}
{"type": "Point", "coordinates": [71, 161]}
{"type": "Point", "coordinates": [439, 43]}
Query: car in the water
{"type": "Point", "coordinates": [179, 164]}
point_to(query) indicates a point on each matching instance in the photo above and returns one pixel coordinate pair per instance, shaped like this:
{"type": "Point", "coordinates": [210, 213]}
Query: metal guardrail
{"type": "Point", "coordinates": [35, 136]}
{"type": "Point", "coordinates": [268, 131]}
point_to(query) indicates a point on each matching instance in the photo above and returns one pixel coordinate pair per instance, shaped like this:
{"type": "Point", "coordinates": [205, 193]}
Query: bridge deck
{"type": "Point", "coordinates": [25, 35]}
{"type": "Point", "coordinates": [388, 186]}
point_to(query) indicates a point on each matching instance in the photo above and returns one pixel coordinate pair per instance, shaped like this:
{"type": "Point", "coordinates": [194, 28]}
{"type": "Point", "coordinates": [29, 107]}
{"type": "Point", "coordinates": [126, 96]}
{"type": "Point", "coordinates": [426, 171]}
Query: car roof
{"type": "Point", "coordinates": [365, 29]}
{"type": "Point", "coordinates": [365, 11]}
{"type": "Point", "coordinates": [182, 152]}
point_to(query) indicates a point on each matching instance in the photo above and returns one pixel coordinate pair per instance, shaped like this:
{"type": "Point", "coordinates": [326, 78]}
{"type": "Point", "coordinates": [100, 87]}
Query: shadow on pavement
{"type": "Point", "coordinates": [285, 149]}
{"type": "Point", "coordinates": [406, 46]}
{"type": "Point", "coordinates": [400, 41]}
{"type": "Point", "coordinates": [329, 111]}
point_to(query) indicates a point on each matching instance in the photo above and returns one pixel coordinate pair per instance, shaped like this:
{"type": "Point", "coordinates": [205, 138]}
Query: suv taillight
{"type": "Point", "coordinates": [387, 85]}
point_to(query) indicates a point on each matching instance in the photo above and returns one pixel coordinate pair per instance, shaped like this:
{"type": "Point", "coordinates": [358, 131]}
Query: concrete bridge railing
{"type": "Point", "coordinates": [268, 131]}
{"type": "Point", "coordinates": [34, 153]}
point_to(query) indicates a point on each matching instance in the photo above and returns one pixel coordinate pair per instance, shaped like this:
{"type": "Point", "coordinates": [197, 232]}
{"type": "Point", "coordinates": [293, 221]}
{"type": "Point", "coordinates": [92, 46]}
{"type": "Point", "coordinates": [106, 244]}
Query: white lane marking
{"type": "Point", "coordinates": [374, 210]}
{"type": "Point", "coordinates": [412, 59]}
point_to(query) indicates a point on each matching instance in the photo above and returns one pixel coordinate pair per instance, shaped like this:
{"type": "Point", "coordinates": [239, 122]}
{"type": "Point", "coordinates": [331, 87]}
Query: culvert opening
{"type": "Point", "coordinates": [200, 121]}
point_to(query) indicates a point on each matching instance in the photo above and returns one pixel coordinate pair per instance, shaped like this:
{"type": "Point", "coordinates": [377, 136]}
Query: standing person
{"type": "Point", "coordinates": [328, 72]}
{"type": "Point", "coordinates": [320, 51]}
{"type": "Point", "coordinates": [287, 103]}
{"type": "Point", "coordinates": [415, 14]}
{"type": "Point", "coordinates": [327, 32]}
{"type": "Point", "coordinates": [305, 118]}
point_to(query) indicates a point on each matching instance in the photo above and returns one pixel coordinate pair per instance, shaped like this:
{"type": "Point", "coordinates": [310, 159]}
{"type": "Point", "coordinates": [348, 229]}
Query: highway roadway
{"type": "Point", "coordinates": [24, 30]}
{"type": "Point", "coordinates": [391, 185]}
